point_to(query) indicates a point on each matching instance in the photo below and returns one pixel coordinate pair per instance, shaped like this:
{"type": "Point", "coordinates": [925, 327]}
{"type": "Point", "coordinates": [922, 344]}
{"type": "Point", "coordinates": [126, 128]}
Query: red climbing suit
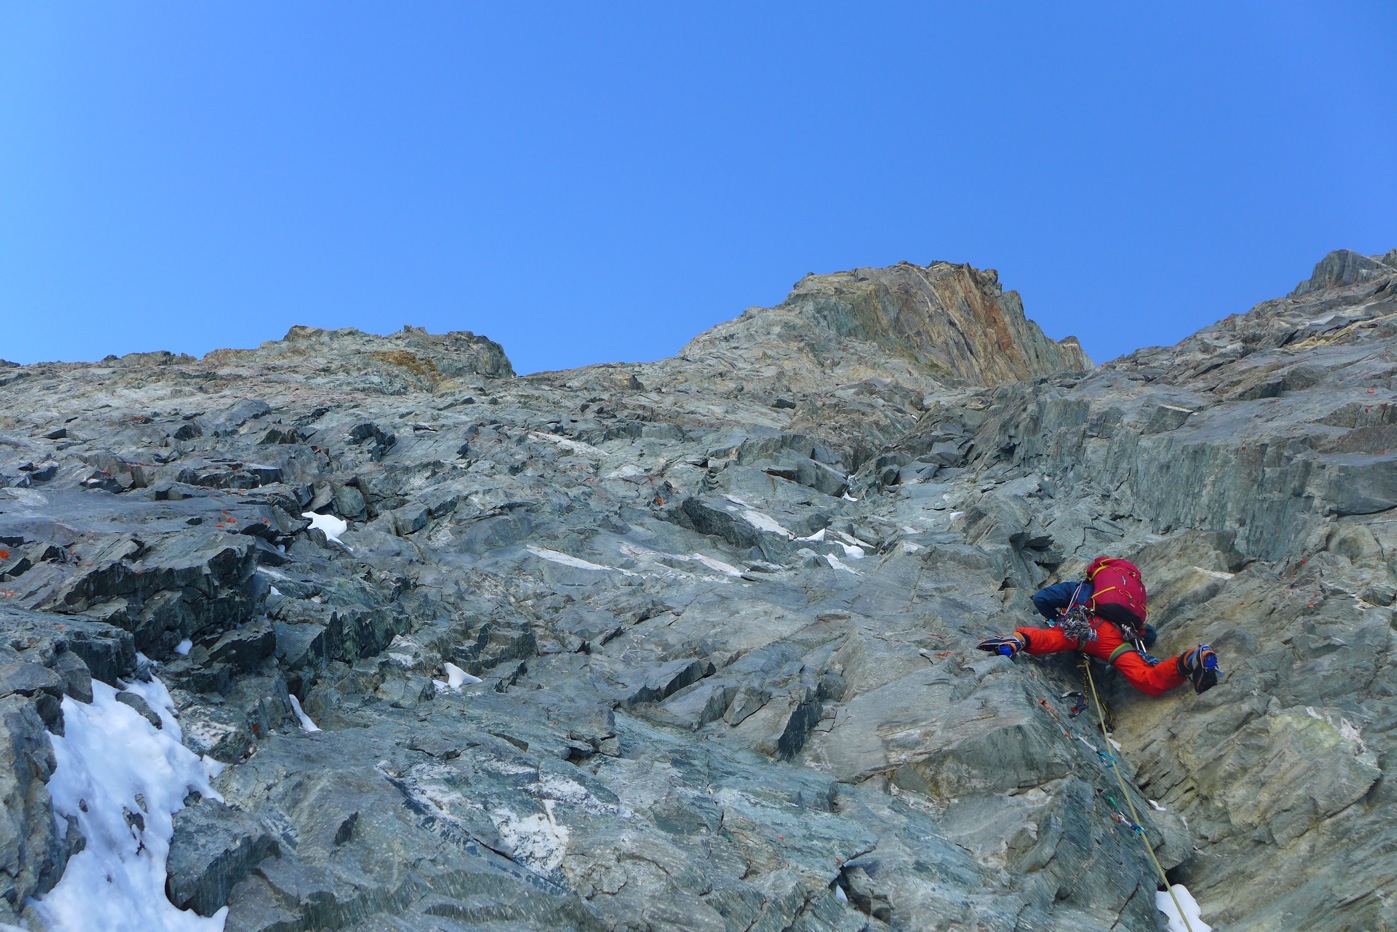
{"type": "Point", "coordinates": [1151, 680]}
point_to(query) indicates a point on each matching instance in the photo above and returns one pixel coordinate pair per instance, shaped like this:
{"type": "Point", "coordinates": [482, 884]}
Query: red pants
{"type": "Point", "coordinates": [1153, 681]}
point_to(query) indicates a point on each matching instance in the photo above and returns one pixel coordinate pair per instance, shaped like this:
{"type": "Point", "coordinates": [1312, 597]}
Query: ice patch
{"type": "Point", "coordinates": [111, 763]}
{"type": "Point", "coordinates": [184, 647]}
{"type": "Point", "coordinates": [456, 678]}
{"type": "Point", "coordinates": [308, 726]}
{"type": "Point", "coordinates": [1157, 806]}
{"type": "Point", "coordinates": [1190, 907]}
{"type": "Point", "coordinates": [554, 556]}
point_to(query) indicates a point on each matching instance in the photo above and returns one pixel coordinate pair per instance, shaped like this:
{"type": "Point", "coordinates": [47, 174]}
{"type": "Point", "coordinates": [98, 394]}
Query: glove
{"type": "Point", "coordinates": [1006, 645]}
{"type": "Point", "coordinates": [1201, 666]}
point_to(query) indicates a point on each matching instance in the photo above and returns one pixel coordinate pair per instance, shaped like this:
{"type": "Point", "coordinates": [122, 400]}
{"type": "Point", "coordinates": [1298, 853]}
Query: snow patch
{"type": "Point", "coordinates": [308, 726]}
{"type": "Point", "coordinates": [1190, 906]}
{"type": "Point", "coordinates": [539, 841]}
{"type": "Point", "coordinates": [1157, 806]}
{"type": "Point", "coordinates": [840, 564]}
{"type": "Point", "coordinates": [818, 537]}
{"type": "Point", "coordinates": [554, 556]}
{"type": "Point", "coordinates": [184, 647]}
{"type": "Point", "coordinates": [725, 568]}
{"type": "Point", "coordinates": [764, 522]}
{"type": "Point", "coordinates": [852, 551]}
{"type": "Point", "coordinates": [456, 678]}
{"type": "Point", "coordinates": [331, 525]}
{"type": "Point", "coordinates": [574, 446]}
{"type": "Point", "coordinates": [111, 763]}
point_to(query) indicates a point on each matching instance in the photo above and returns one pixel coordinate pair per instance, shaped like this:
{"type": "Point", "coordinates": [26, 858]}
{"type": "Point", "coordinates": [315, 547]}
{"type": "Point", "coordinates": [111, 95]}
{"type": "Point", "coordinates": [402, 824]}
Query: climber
{"type": "Point", "coordinates": [1103, 616]}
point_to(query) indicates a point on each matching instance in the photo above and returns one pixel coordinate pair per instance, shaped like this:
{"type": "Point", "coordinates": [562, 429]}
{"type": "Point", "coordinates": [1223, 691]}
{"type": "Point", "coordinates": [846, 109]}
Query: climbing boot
{"type": "Point", "coordinates": [1200, 665]}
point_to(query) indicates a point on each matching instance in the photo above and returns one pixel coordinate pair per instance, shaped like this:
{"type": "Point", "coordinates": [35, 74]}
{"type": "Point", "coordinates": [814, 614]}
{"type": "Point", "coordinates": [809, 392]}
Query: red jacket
{"type": "Point", "coordinates": [1112, 648]}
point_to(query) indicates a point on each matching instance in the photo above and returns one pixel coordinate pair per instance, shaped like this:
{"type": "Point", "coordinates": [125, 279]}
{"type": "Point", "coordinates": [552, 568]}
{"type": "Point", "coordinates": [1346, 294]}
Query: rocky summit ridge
{"type": "Point", "coordinates": [721, 609]}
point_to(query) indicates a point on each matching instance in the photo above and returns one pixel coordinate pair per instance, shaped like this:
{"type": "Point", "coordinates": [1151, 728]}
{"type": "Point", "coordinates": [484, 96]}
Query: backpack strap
{"type": "Point", "coordinates": [1125, 648]}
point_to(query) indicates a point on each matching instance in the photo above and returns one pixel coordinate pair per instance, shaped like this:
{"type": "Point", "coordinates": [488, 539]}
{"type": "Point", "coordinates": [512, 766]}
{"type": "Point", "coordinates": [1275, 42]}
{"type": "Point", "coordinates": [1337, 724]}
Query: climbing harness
{"type": "Point", "coordinates": [1134, 821]}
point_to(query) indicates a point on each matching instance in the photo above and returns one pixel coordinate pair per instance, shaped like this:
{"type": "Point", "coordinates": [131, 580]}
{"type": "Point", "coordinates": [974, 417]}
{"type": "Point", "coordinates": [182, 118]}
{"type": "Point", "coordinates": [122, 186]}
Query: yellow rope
{"type": "Point", "coordinates": [1135, 816]}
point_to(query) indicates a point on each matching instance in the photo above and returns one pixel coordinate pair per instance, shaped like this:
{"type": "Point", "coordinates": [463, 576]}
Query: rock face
{"type": "Point", "coordinates": [689, 644]}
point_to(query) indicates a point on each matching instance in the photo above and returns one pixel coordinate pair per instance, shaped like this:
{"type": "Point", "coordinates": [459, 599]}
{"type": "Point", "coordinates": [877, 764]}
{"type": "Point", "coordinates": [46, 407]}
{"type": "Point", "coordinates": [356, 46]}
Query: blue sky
{"type": "Point", "coordinates": [599, 182]}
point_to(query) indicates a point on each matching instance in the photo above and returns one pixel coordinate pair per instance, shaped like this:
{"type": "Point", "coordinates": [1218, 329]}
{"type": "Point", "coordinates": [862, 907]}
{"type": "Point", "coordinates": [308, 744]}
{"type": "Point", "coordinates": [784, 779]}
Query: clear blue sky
{"type": "Point", "coordinates": [592, 182]}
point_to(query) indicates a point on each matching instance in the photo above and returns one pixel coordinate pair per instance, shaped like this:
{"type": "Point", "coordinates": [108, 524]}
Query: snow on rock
{"type": "Point", "coordinates": [113, 766]}
{"type": "Point", "coordinates": [308, 726]}
{"type": "Point", "coordinates": [184, 647]}
{"type": "Point", "coordinates": [572, 446]}
{"type": "Point", "coordinates": [759, 520]}
{"type": "Point", "coordinates": [539, 841]}
{"type": "Point", "coordinates": [840, 564]}
{"type": "Point", "coordinates": [1190, 907]}
{"type": "Point", "coordinates": [331, 525]}
{"type": "Point", "coordinates": [726, 569]}
{"type": "Point", "coordinates": [456, 678]}
{"type": "Point", "coordinates": [564, 559]}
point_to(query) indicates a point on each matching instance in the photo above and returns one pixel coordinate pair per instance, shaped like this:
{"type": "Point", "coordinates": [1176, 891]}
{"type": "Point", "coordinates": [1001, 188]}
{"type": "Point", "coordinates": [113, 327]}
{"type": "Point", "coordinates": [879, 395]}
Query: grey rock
{"type": "Point", "coordinates": [723, 606]}
{"type": "Point", "coordinates": [213, 849]}
{"type": "Point", "coordinates": [141, 706]}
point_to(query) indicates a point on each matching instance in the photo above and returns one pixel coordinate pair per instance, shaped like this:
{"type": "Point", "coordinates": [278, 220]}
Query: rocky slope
{"type": "Point", "coordinates": [721, 609]}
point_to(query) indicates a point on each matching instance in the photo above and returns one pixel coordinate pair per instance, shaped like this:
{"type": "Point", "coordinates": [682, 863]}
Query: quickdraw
{"type": "Point", "coordinates": [1079, 706]}
{"type": "Point", "coordinates": [1133, 826]}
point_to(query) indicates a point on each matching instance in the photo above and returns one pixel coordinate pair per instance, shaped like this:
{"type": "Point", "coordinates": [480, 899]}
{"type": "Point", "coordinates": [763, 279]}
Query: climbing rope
{"type": "Point", "coordinates": [1113, 764]}
{"type": "Point", "coordinates": [1084, 665]}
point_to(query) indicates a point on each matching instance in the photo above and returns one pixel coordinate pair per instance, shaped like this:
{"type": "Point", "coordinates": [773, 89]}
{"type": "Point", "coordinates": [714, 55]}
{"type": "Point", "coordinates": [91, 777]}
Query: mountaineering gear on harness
{"type": "Point", "coordinates": [1201, 666]}
{"type": "Point", "coordinates": [1076, 623]}
{"type": "Point", "coordinates": [1004, 645]}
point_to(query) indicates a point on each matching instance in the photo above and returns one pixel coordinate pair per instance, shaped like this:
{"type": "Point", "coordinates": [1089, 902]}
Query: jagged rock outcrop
{"type": "Point", "coordinates": [720, 609]}
{"type": "Point", "coordinates": [946, 321]}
